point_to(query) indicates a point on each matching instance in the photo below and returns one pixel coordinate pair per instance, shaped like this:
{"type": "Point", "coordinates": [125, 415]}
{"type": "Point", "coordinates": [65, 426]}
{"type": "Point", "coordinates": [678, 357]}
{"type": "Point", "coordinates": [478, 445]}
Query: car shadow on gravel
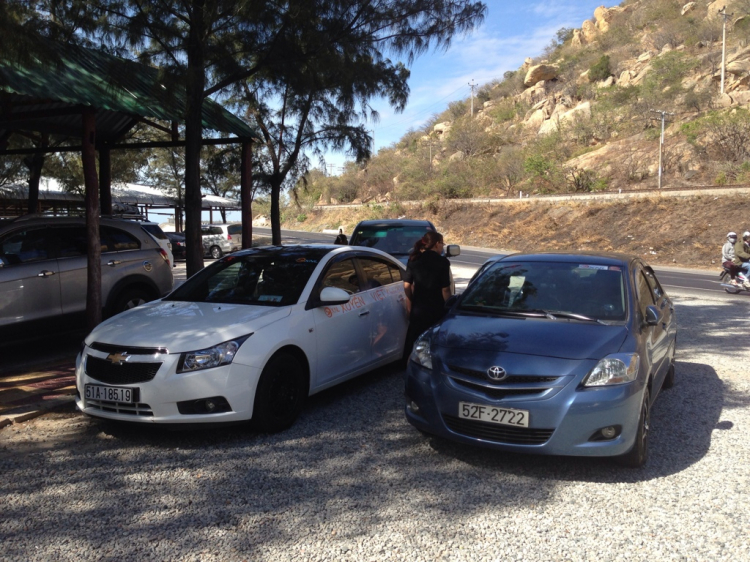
{"type": "Point", "coordinates": [683, 420]}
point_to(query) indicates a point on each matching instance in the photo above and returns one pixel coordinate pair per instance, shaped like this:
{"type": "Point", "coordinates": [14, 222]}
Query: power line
{"type": "Point", "coordinates": [413, 117]}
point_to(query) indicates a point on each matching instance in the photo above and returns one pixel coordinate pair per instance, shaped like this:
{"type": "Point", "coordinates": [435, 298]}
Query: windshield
{"type": "Point", "coordinates": [394, 240]}
{"type": "Point", "coordinates": [586, 290]}
{"type": "Point", "coordinates": [258, 279]}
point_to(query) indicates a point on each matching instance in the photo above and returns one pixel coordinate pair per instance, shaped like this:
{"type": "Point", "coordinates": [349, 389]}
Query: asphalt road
{"type": "Point", "coordinates": [695, 282]}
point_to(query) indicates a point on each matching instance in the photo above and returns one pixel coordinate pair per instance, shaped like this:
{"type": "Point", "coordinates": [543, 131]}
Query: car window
{"type": "Point", "coordinates": [268, 280]}
{"type": "Point", "coordinates": [72, 241]}
{"type": "Point", "coordinates": [211, 230]}
{"type": "Point", "coordinates": [116, 240]}
{"type": "Point", "coordinates": [645, 296]}
{"type": "Point", "coordinates": [155, 231]}
{"type": "Point", "coordinates": [378, 273]}
{"type": "Point", "coordinates": [343, 276]}
{"type": "Point", "coordinates": [595, 291]}
{"type": "Point", "coordinates": [653, 282]}
{"type": "Point", "coordinates": [28, 246]}
{"type": "Point", "coordinates": [235, 229]}
{"type": "Point", "coordinates": [396, 240]}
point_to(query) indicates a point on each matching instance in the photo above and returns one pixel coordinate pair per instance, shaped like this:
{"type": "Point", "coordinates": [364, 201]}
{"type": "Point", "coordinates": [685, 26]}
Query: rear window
{"type": "Point", "coordinates": [395, 240]}
{"type": "Point", "coordinates": [154, 230]}
{"type": "Point", "coordinates": [235, 229]}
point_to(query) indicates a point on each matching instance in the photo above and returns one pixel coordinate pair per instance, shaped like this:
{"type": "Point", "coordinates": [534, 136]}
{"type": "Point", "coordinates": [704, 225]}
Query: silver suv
{"type": "Point", "coordinates": [43, 271]}
{"type": "Point", "coordinates": [219, 239]}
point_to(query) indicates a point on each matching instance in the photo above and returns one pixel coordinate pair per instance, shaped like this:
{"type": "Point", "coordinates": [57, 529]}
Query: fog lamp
{"type": "Point", "coordinates": [413, 407]}
{"type": "Point", "coordinates": [609, 432]}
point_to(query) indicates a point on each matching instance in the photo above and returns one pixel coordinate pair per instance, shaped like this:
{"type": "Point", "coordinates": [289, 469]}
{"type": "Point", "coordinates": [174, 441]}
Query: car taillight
{"type": "Point", "coordinates": [164, 254]}
{"type": "Point", "coordinates": [229, 236]}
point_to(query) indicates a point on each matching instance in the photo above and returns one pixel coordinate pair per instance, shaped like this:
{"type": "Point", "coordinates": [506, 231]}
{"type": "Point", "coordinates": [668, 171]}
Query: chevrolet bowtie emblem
{"type": "Point", "coordinates": [118, 358]}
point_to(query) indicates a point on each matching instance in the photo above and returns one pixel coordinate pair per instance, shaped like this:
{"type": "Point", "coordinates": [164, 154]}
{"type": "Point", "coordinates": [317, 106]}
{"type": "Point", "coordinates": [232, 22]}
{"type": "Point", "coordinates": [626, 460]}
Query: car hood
{"type": "Point", "coordinates": [184, 326]}
{"type": "Point", "coordinates": [562, 339]}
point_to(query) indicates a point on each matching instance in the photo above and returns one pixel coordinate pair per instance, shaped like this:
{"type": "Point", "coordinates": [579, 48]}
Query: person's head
{"type": "Point", "coordinates": [430, 241]}
{"type": "Point", "coordinates": [746, 236]}
{"type": "Point", "coordinates": [732, 237]}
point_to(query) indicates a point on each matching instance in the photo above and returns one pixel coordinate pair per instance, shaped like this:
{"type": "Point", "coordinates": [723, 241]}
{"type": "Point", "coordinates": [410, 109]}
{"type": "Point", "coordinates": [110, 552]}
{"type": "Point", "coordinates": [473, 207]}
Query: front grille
{"type": "Point", "coordinates": [498, 433]}
{"type": "Point", "coordinates": [513, 379]}
{"type": "Point", "coordinates": [499, 393]}
{"type": "Point", "coordinates": [110, 348]}
{"type": "Point", "coordinates": [138, 409]}
{"type": "Point", "coordinates": [124, 373]}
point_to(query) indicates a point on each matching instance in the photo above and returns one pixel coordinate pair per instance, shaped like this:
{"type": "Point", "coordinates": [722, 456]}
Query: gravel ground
{"type": "Point", "coordinates": [353, 481]}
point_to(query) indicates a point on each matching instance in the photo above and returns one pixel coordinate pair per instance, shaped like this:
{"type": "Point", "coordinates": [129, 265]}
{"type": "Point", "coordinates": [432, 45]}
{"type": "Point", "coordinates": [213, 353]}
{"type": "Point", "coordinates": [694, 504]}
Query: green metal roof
{"type": "Point", "coordinates": [93, 78]}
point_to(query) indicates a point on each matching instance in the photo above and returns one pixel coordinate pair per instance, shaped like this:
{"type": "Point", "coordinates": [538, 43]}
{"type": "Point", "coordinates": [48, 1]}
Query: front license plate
{"type": "Point", "coordinates": [491, 414]}
{"type": "Point", "coordinates": [110, 393]}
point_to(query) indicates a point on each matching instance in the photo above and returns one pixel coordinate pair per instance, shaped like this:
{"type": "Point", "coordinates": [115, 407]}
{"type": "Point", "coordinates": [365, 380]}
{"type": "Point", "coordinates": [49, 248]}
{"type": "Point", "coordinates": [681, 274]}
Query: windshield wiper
{"type": "Point", "coordinates": [574, 316]}
{"type": "Point", "coordinates": [503, 311]}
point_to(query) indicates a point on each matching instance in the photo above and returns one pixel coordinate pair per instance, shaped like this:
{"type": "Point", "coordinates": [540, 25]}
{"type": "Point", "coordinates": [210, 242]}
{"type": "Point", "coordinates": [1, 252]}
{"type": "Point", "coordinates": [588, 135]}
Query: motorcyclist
{"type": "Point", "coordinates": [727, 256]}
{"type": "Point", "coordinates": [742, 258]}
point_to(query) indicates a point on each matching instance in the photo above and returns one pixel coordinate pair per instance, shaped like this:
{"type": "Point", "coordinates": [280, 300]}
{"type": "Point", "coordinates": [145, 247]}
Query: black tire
{"type": "Point", "coordinates": [669, 378]}
{"type": "Point", "coordinates": [215, 252]}
{"type": "Point", "coordinates": [281, 393]}
{"type": "Point", "coordinates": [638, 455]}
{"type": "Point", "coordinates": [130, 298]}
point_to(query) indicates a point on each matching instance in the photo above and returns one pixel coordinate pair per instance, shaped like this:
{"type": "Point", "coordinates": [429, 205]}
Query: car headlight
{"type": "Point", "coordinates": [222, 354]}
{"type": "Point", "coordinates": [618, 368]}
{"type": "Point", "coordinates": [421, 353]}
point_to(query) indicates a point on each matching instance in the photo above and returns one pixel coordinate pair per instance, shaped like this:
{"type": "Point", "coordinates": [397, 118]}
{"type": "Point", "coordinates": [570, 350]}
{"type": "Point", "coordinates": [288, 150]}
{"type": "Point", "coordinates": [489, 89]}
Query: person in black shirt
{"type": "Point", "coordinates": [427, 285]}
{"type": "Point", "coordinates": [341, 238]}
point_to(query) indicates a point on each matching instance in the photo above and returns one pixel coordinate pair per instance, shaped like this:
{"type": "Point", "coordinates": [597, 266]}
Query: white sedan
{"type": "Point", "coordinates": [249, 337]}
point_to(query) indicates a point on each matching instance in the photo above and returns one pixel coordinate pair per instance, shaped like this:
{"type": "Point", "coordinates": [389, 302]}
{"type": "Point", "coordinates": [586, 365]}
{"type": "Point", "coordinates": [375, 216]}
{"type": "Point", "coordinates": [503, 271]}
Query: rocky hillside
{"type": "Point", "coordinates": [584, 116]}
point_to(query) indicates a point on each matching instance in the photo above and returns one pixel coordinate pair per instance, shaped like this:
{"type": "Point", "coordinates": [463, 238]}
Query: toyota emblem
{"type": "Point", "coordinates": [496, 373]}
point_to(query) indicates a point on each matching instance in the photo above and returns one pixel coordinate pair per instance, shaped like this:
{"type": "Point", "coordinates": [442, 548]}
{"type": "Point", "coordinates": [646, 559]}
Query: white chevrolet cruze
{"type": "Point", "coordinates": [249, 337]}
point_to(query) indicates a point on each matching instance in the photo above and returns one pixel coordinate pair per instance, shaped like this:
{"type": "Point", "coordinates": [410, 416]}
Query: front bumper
{"type": "Point", "coordinates": [562, 421]}
{"type": "Point", "coordinates": [157, 399]}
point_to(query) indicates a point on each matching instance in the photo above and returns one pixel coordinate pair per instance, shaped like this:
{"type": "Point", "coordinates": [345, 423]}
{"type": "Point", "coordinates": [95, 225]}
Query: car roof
{"type": "Point", "coordinates": [593, 258]}
{"type": "Point", "coordinates": [395, 222]}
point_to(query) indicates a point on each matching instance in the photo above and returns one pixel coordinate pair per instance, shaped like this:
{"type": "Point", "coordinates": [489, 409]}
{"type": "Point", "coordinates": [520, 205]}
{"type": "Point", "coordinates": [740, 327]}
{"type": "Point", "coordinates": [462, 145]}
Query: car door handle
{"type": "Point", "coordinates": [45, 273]}
{"type": "Point", "coordinates": [113, 263]}
{"type": "Point", "coordinates": [365, 313]}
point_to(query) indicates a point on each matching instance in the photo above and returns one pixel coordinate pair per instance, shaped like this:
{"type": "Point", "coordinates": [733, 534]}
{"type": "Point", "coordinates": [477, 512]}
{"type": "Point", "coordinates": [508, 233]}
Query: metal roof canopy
{"type": "Point", "coordinates": [49, 97]}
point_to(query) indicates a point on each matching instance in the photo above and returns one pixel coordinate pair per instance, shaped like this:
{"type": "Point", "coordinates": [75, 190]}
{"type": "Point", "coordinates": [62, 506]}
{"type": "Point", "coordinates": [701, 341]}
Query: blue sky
{"type": "Point", "coordinates": [511, 32]}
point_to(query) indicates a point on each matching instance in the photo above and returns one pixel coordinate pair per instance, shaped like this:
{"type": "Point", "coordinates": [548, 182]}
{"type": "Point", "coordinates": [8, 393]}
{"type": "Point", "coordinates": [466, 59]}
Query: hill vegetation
{"type": "Point", "coordinates": [584, 116]}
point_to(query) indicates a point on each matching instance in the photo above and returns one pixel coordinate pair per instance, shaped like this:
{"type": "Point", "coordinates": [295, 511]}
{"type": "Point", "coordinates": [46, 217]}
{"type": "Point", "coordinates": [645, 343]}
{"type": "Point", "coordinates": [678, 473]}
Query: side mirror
{"type": "Point", "coordinates": [652, 316]}
{"type": "Point", "coordinates": [334, 295]}
{"type": "Point", "coordinates": [452, 250]}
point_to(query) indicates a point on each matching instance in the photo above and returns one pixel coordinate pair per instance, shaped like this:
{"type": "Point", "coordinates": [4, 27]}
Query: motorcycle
{"type": "Point", "coordinates": [725, 278]}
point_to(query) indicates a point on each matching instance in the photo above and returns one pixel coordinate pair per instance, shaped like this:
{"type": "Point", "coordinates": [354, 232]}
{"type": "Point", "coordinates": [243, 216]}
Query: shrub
{"type": "Point", "coordinates": [600, 70]}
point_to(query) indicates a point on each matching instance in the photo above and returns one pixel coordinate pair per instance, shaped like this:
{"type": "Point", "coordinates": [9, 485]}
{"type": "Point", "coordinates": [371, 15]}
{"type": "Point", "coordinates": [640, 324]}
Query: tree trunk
{"type": "Point", "coordinates": [246, 194]}
{"type": "Point", "coordinates": [94, 270]}
{"type": "Point", "coordinates": [275, 213]}
{"type": "Point", "coordinates": [196, 81]}
{"type": "Point", "coordinates": [35, 175]}
{"type": "Point", "coordinates": [105, 180]}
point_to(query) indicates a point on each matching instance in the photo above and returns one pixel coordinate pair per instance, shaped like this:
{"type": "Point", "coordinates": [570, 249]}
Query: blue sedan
{"type": "Point", "coordinates": [558, 354]}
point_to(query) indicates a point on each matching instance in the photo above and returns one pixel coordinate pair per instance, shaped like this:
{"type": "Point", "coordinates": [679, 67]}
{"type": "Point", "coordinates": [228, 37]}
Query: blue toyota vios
{"type": "Point", "coordinates": [558, 354]}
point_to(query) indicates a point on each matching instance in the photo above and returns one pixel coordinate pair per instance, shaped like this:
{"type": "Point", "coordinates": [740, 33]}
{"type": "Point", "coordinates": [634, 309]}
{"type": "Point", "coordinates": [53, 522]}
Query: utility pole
{"type": "Point", "coordinates": [661, 138]}
{"type": "Point", "coordinates": [373, 140]}
{"type": "Point", "coordinates": [471, 84]}
{"type": "Point", "coordinates": [723, 13]}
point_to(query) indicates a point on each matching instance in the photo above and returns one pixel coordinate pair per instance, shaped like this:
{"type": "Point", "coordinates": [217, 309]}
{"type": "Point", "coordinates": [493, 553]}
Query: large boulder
{"type": "Point", "coordinates": [687, 8]}
{"type": "Point", "coordinates": [540, 72]}
{"type": "Point", "coordinates": [739, 67]}
{"type": "Point", "coordinates": [589, 31]}
{"type": "Point", "coordinates": [551, 125]}
{"type": "Point", "coordinates": [441, 129]}
{"type": "Point", "coordinates": [577, 40]}
{"type": "Point", "coordinates": [603, 17]}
